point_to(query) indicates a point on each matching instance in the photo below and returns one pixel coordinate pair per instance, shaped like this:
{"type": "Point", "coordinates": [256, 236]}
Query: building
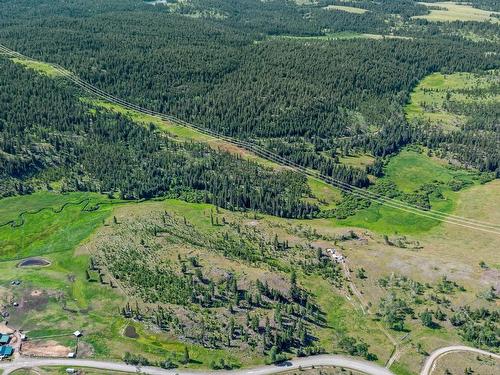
{"type": "Point", "coordinates": [4, 339]}
{"type": "Point", "coordinates": [77, 333]}
{"type": "Point", "coordinates": [336, 256]}
{"type": "Point", "coordinates": [6, 351]}
{"type": "Point", "coordinates": [72, 355]}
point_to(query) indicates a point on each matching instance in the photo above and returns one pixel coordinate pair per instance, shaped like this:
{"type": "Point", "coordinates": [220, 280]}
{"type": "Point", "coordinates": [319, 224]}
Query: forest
{"type": "Point", "coordinates": [312, 103]}
{"type": "Point", "coordinates": [48, 136]}
{"type": "Point", "coordinates": [229, 74]}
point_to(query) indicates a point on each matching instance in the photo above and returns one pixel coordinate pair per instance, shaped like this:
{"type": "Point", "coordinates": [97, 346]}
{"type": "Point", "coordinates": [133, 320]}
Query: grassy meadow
{"type": "Point", "coordinates": [448, 11]}
{"type": "Point", "coordinates": [428, 100]}
{"type": "Point", "coordinates": [94, 308]}
{"type": "Point", "coordinates": [346, 9]}
{"type": "Point", "coordinates": [410, 170]}
{"type": "Point", "coordinates": [47, 222]}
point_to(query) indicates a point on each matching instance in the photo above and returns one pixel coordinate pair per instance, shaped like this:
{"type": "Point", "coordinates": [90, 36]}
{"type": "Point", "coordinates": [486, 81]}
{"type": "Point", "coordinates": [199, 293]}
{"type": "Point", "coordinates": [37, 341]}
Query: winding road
{"type": "Point", "coordinates": [317, 361]}
{"type": "Point", "coordinates": [430, 362]}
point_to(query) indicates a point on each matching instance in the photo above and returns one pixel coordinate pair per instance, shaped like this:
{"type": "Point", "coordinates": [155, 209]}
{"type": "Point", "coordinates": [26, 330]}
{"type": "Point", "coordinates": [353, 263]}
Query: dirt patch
{"type": "Point", "coordinates": [84, 350]}
{"type": "Point", "coordinates": [491, 277]}
{"type": "Point", "coordinates": [33, 300]}
{"type": "Point", "coordinates": [6, 330]}
{"type": "Point", "coordinates": [48, 348]}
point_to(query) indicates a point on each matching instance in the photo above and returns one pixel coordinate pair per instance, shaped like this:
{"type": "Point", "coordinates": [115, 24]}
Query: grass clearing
{"type": "Point", "coordinates": [429, 99]}
{"type": "Point", "coordinates": [448, 11]}
{"type": "Point", "coordinates": [358, 161]}
{"type": "Point", "coordinates": [342, 35]}
{"type": "Point", "coordinates": [456, 363]}
{"type": "Point", "coordinates": [58, 228]}
{"type": "Point", "coordinates": [326, 195]}
{"type": "Point", "coordinates": [38, 66]}
{"type": "Point", "coordinates": [347, 9]}
{"type": "Point", "coordinates": [409, 170]}
{"type": "Point", "coordinates": [343, 318]}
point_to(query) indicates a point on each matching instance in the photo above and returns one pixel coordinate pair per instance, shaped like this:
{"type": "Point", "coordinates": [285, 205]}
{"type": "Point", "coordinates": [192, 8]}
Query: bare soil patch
{"type": "Point", "coordinates": [49, 348]}
{"type": "Point", "coordinates": [84, 350]}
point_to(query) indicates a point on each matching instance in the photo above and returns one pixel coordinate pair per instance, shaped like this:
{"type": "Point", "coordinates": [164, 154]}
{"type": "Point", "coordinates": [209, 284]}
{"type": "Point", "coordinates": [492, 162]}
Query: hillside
{"type": "Point", "coordinates": [220, 185]}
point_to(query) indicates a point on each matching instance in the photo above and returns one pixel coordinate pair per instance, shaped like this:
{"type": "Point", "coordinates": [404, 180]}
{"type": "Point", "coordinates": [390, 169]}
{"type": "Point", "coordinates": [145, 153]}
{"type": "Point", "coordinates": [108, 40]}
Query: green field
{"type": "Point", "coordinates": [41, 229]}
{"type": "Point", "coordinates": [346, 9]}
{"type": "Point", "coordinates": [410, 170]}
{"type": "Point", "coordinates": [428, 100]}
{"type": "Point", "coordinates": [451, 11]}
{"type": "Point", "coordinates": [38, 66]}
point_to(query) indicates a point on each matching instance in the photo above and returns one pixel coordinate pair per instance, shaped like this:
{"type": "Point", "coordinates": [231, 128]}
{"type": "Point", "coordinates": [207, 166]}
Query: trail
{"type": "Point", "coordinates": [266, 154]}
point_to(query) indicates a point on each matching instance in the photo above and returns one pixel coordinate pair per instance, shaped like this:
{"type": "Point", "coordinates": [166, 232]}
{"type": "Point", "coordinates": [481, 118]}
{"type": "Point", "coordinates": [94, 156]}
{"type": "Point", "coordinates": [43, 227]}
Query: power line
{"type": "Point", "coordinates": [269, 155]}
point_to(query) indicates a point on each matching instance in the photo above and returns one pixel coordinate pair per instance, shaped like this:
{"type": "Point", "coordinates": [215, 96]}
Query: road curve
{"type": "Point", "coordinates": [320, 360]}
{"type": "Point", "coordinates": [430, 362]}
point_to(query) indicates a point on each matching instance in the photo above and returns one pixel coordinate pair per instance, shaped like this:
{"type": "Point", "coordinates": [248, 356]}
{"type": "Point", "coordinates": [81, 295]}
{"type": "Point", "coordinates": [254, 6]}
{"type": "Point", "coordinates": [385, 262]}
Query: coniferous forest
{"type": "Point", "coordinates": [233, 69]}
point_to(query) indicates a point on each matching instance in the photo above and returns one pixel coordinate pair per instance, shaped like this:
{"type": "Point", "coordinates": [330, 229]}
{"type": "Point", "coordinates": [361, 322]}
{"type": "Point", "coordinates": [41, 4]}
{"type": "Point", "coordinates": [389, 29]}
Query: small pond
{"type": "Point", "coordinates": [130, 332]}
{"type": "Point", "coordinates": [34, 262]}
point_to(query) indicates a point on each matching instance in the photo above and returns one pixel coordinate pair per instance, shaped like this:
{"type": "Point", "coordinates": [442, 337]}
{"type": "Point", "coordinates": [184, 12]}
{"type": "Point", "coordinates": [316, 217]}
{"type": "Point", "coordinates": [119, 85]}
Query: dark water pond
{"type": "Point", "coordinates": [131, 332]}
{"type": "Point", "coordinates": [32, 262]}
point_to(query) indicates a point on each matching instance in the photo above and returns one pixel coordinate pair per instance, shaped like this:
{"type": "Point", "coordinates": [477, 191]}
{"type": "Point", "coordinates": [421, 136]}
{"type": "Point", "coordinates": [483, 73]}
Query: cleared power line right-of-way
{"type": "Point", "coordinates": [258, 150]}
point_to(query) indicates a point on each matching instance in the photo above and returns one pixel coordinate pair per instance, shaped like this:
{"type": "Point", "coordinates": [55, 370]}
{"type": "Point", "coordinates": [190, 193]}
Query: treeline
{"type": "Point", "coordinates": [47, 135]}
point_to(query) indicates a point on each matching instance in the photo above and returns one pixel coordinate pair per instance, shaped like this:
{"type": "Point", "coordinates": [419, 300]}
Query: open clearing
{"type": "Point", "coordinates": [38, 66]}
{"type": "Point", "coordinates": [346, 9]}
{"type": "Point", "coordinates": [445, 250]}
{"type": "Point", "coordinates": [456, 363]}
{"type": "Point", "coordinates": [343, 35]}
{"type": "Point", "coordinates": [431, 99]}
{"type": "Point", "coordinates": [423, 170]}
{"type": "Point", "coordinates": [450, 11]}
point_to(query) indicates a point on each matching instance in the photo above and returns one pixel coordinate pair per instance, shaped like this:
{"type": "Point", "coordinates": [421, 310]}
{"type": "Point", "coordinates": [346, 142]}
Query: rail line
{"type": "Point", "coordinates": [269, 155]}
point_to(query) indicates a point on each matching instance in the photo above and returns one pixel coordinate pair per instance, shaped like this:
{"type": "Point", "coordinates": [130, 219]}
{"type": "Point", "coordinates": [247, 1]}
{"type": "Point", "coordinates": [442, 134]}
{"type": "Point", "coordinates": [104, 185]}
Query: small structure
{"type": "Point", "coordinates": [24, 337]}
{"type": "Point", "coordinates": [6, 351]}
{"type": "Point", "coordinates": [72, 355]}
{"type": "Point", "coordinates": [77, 334]}
{"type": "Point", "coordinates": [4, 339]}
{"type": "Point", "coordinates": [70, 371]}
{"type": "Point", "coordinates": [336, 256]}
